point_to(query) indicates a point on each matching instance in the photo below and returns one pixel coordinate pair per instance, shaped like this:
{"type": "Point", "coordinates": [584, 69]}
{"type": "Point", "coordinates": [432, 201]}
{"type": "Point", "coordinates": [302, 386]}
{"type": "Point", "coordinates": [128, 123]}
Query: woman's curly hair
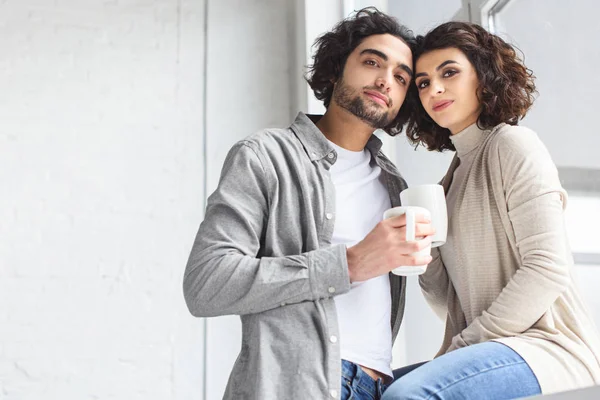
{"type": "Point", "coordinates": [334, 47]}
{"type": "Point", "coordinates": [506, 86]}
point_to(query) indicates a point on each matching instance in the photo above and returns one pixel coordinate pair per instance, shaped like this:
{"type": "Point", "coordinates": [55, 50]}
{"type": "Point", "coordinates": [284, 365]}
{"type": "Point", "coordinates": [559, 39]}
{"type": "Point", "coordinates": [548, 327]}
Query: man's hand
{"type": "Point", "coordinates": [386, 248]}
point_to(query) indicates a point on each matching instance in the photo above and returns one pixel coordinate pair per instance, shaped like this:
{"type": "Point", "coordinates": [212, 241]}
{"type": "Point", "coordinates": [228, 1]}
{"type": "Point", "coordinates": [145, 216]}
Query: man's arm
{"type": "Point", "coordinates": [224, 274]}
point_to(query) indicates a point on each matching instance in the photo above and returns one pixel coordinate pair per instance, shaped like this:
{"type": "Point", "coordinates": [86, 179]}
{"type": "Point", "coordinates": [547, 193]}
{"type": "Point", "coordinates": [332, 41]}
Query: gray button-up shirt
{"type": "Point", "coordinates": [264, 252]}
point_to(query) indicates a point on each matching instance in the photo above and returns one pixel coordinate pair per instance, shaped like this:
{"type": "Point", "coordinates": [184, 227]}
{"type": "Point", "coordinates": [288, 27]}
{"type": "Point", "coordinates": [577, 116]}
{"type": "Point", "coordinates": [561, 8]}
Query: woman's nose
{"type": "Point", "coordinates": [437, 88]}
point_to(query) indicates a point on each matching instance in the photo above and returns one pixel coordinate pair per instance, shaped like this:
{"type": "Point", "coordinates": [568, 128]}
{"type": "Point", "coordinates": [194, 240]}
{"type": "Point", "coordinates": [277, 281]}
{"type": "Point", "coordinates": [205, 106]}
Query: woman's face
{"type": "Point", "coordinates": [447, 84]}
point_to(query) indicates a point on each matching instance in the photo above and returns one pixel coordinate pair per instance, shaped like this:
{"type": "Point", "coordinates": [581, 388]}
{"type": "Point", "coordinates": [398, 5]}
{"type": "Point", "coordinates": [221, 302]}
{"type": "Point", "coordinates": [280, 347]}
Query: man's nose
{"type": "Point", "coordinates": [382, 83]}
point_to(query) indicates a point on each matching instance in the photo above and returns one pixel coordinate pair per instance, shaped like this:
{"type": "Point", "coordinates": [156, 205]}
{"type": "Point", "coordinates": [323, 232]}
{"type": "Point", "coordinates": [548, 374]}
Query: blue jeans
{"type": "Point", "coordinates": [490, 371]}
{"type": "Point", "coordinates": [357, 385]}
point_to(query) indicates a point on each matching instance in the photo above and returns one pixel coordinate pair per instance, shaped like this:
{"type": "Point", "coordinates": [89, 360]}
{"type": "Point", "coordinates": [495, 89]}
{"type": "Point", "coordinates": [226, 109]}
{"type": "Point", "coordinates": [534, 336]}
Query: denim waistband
{"type": "Point", "coordinates": [357, 377]}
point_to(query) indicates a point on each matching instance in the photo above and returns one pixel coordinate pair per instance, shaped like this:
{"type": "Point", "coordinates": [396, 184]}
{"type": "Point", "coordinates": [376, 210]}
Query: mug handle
{"type": "Point", "coordinates": [410, 225]}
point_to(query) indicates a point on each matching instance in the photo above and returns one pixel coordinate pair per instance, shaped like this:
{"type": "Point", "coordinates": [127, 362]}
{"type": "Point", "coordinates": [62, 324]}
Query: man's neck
{"type": "Point", "coordinates": [344, 129]}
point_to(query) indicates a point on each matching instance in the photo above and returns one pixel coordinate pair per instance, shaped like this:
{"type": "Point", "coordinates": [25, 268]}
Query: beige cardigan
{"type": "Point", "coordinates": [508, 274]}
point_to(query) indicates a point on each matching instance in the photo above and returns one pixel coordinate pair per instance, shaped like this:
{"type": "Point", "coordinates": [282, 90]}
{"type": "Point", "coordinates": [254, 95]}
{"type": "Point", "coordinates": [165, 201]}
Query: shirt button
{"type": "Point", "coordinates": [329, 215]}
{"type": "Point", "coordinates": [330, 155]}
{"type": "Point", "coordinates": [333, 339]}
{"type": "Point", "coordinates": [331, 289]}
{"type": "Point", "coordinates": [283, 304]}
{"type": "Point", "coordinates": [333, 393]}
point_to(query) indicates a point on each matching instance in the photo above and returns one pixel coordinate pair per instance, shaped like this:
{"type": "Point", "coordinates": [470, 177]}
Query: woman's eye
{"type": "Point", "coordinates": [422, 85]}
{"type": "Point", "coordinates": [449, 73]}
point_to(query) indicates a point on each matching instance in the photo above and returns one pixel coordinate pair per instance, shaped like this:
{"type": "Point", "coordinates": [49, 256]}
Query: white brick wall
{"type": "Point", "coordinates": [100, 196]}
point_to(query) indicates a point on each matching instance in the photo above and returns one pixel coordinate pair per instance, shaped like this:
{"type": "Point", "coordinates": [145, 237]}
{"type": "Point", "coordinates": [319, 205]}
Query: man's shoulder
{"type": "Point", "coordinates": [270, 139]}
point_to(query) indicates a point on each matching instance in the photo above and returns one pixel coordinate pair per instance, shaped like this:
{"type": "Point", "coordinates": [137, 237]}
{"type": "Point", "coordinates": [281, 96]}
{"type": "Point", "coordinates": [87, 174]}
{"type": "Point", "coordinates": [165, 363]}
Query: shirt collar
{"type": "Point", "coordinates": [315, 143]}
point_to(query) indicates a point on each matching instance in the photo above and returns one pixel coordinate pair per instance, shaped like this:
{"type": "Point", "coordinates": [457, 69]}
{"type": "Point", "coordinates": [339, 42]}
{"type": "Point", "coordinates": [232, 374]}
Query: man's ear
{"type": "Point", "coordinates": [336, 76]}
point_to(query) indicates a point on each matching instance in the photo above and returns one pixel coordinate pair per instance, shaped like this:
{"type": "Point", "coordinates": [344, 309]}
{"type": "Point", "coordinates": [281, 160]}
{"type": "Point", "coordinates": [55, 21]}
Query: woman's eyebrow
{"type": "Point", "coordinates": [442, 65]}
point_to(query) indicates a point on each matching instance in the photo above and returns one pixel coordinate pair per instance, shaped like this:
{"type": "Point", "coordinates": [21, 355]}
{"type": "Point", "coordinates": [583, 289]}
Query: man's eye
{"type": "Point", "coordinates": [371, 62]}
{"type": "Point", "coordinates": [401, 79]}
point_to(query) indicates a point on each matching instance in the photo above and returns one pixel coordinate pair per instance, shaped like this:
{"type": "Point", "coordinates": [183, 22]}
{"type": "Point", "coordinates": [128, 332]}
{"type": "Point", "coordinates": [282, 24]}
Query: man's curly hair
{"type": "Point", "coordinates": [334, 47]}
{"type": "Point", "coordinates": [506, 86]}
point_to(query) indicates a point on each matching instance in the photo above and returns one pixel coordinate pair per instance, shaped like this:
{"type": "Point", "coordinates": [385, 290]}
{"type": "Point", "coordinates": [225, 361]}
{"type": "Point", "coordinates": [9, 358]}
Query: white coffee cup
{"type": "Point", "coordinates": [432, 198]}
{"type": "Point", "coordinates": [411, 213]}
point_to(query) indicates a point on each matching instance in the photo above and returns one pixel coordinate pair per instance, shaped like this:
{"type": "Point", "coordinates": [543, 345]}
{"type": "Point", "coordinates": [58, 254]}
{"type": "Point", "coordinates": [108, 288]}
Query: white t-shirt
{"type": "Point", "coordinates": [364, 312]}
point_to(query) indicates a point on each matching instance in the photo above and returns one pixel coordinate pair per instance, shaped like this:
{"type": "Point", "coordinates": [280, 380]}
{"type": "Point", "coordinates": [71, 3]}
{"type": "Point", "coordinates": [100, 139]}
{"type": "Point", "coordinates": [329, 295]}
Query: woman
{"type": "Point", "coordinates": [515, 323]}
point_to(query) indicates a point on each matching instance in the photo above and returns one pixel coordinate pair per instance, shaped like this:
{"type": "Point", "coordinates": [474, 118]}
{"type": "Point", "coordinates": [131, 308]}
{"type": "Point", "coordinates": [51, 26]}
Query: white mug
{"type": "Point", "coordinates": [433, 199]}
{"type": "Point", "coordinates": [411, 213]}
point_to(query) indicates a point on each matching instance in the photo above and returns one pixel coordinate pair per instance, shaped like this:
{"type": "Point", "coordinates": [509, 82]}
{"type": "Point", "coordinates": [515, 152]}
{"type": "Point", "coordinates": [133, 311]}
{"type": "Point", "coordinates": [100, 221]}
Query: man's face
{"type": "Point", "coordinates": [375, 80]}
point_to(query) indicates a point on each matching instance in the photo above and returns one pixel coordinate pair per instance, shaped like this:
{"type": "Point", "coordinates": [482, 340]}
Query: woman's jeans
{"type": "Point", "coordinates": [485, 371]}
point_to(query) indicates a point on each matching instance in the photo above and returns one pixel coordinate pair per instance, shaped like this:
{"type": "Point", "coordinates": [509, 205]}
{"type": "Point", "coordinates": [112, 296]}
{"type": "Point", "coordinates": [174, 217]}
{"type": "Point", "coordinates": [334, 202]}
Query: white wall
{"type": "Point", "coordinates": [101, 180]}
{"type": "Point", "coordinates": [423, 15]}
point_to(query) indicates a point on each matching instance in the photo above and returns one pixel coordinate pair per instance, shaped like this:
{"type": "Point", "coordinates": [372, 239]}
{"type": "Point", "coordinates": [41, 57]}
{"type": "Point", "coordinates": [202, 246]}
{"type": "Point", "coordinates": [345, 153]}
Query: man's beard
{"type": "Point", "coordinates": [347, 98]}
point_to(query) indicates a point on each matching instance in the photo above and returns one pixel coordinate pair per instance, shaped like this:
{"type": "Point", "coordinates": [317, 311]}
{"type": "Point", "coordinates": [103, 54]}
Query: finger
{"type": "Point", "coordinates": [415, 260]}
{"type": "Point", "coordinates": [422, 243]}
{"type": "Point", "coordinates": [398, 235]}
{"type": "Point", "coordinates": [397, 221]}
{"type": "Point", "coordinates": [422, 218]}
{"type": "Point", "coordinates": [424, 229]}
{"type": "Point", "coordinates": [400, 220]}
{"type": "Point", "coordinates": [403, 248]}
{"type": "Point", "coordinates": [423, 260]}
{"type": "Point", "coordinates": [415, 245]}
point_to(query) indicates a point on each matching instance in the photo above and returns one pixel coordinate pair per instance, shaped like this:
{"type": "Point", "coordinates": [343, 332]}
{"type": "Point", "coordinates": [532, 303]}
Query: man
{"type": "Point", "coordinates": [293, 241]}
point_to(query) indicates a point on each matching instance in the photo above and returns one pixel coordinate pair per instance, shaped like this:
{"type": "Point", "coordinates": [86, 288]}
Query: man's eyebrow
{"type": "Point", "coordinates": [442, 65]}
{"type": "Point", "coordinates": [377, 53]}
{"type": "Point", "coordinates": [384, 57]}
{"type": "Point", "coordinates": [407, 69]}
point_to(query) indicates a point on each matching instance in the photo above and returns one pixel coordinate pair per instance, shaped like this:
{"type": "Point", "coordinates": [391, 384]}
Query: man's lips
{"type": "Point", "coordinates": [378, 97]}
{"type": "Point", "coordinates": [440, 105]}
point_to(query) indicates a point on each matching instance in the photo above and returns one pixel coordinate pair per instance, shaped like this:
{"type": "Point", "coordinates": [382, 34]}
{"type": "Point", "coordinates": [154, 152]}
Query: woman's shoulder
{"type": "Point", "coordinates": [513, 140]}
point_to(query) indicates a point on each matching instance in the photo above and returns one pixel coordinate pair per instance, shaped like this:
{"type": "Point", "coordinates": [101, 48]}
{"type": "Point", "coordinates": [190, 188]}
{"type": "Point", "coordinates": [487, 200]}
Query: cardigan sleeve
{"type": "Point", "coordinates": [527, 180]}
{"type": "Point", "coordinates": [434, 285]}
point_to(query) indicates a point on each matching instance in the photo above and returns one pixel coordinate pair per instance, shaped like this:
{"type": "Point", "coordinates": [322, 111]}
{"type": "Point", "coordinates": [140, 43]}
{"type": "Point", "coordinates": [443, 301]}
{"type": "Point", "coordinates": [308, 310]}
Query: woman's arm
{"type": "Point", "coordinates": [434, 285]}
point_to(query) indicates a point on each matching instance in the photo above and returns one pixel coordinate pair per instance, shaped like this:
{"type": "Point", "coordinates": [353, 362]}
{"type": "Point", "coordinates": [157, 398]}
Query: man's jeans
{"type": "Point", "coordinates": [490, 371]}
{"type": "Point", "coordinates": [357, 385]}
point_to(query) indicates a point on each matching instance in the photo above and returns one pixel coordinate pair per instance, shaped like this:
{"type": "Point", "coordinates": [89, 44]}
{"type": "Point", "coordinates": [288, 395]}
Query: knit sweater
{"type": "Point", "coordinates": [506, 270]}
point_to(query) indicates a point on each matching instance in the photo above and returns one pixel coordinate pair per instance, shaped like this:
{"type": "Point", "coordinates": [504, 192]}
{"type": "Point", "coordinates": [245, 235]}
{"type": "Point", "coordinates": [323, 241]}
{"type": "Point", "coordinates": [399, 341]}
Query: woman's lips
{"type": "Point", "coordinates": [441, 105]}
